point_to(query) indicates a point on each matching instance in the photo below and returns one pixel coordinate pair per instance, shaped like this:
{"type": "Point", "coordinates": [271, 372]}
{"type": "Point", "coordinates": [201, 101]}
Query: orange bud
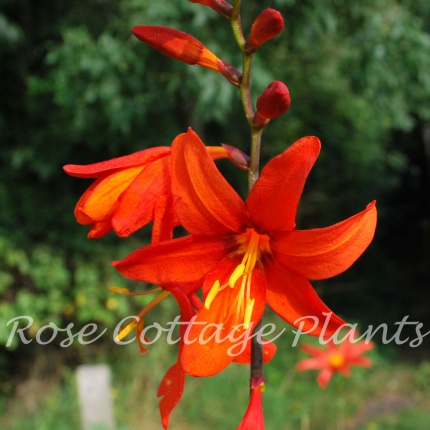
{"type": "Point", "coordinates": [266, 26]}
{"type": "Point", "coordinates": [274, 101]}
{"type": "Point", "coordinates": [184, 47]}
{"type": "Point", "coordinates": [221, 6]}
{"type": "Point", "coordinates": [176, 44]}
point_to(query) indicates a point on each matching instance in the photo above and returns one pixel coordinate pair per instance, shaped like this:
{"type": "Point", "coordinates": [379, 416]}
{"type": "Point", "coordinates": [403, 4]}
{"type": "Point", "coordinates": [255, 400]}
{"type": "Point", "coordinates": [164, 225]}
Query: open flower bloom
{"type": "Point", "coordinates": [184, 47]}
{"type": "Point", "coordinates": [247, 253]}
{"type": "Point", "coordinates": [130, 192]}
{"type": "Point", "coordinates": [335, 358]}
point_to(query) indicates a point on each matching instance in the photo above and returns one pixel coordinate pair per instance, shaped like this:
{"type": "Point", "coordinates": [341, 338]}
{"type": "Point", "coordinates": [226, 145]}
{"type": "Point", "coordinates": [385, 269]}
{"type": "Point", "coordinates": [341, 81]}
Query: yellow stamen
{"type": "Point", "coordinates": [248, 313]}
{"type": "Point", "coordinates": [212, 293]}
{"type": "Point", "coordinates": [154, 302]}
{"type": "Point", "coordinates": [238, 272]}
{"type": "Point", "coordinates": [132, 325]}
{"type": "Point", "coordinates": [126, 291]}
{"type": "Point", "coordinates": [251, 246]}
{"type": "Point", "coordinates": [126, 330]}
{"type": "Point", "coordinates": [119, 290]}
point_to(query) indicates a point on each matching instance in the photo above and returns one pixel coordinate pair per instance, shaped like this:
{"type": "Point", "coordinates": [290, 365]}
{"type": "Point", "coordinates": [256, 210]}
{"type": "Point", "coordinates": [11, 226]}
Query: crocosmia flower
{"type": "Point", "coordinates": [184, 47]}
{"type": "Point", "coordinates": [130, 192]}
{"type": "Point", "coordinates": [335, 358]}
{"type": "Point", "coordinates": [247, 254]}
{"type": "Point", "coordinates": [266, 26]}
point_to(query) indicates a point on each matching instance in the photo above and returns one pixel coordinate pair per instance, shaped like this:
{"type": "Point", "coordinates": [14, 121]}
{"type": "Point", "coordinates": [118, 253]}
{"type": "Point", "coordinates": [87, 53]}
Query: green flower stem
{"type": "Point", "coordinates": [253, 170]}
{"type": "Point", "coordinates": [236, 25]}
{"type": "Point", "coordinates": [254, 162]}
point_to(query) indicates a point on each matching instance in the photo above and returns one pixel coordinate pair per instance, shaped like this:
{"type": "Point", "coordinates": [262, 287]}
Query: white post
{"type": "Point", "coordinates": [95, 398]}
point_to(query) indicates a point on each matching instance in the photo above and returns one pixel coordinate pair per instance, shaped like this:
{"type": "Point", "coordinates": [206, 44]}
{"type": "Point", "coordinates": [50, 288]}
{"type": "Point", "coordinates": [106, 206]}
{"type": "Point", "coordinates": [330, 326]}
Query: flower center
{"type": "Point", "coordinates": [252, 245]}
{"type": "Point", "coordinates": [336, 361]}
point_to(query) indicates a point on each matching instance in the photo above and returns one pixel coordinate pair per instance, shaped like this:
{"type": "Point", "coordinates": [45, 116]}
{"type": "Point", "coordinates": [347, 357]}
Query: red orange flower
{"type": "Point", "coordinates": [335, 358]}
{"type": "Point", "coordinates": [247, 253]}
{"type": "Point", "coordinates": [184, 47]}
{"type": "Point", "coordinates": [130, 192]}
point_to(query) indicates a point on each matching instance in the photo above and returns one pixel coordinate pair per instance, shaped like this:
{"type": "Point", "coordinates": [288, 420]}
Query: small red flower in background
{"type": "Point", "coordinates": [184, 47]}
{"type": "Point", "coordinates": [335, 358]}
{"type": "Point", "coordinates": [131, 191]}
{"type": "Point", "coordinates": [247, 253]}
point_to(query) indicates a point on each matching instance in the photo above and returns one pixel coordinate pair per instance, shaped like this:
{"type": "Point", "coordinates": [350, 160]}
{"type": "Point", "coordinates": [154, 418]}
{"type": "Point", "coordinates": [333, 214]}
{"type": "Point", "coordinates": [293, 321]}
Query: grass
{"type": "Point", "coordinates": [390, 396]}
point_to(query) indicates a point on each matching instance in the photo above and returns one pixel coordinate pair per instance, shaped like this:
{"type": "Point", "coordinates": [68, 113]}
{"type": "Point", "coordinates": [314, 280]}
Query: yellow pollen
{"type": "Point", "coordinates": [212, 294]}
{"type": "Point", "coordinates": [132, 325]}
{"type": "Point", "coordinates": [248, 313]}
{"type": "Point", "coordinates": [126, 330]}
{"type": "Point", "coordinates": [336, 360]}
{"type": "Point", "coordinates": [252, 246]}
{"type": "Point", "coordinates": [238, 272]}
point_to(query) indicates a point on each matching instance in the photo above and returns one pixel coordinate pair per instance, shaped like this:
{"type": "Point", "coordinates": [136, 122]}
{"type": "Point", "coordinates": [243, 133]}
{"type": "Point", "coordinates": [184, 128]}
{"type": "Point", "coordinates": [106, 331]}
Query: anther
{"type": "Point", "coordinates": [212, 294]}
{"type": "Point", "coordinates": [238, 272]}
{"type": "Point", "coordinates": [248, 313]}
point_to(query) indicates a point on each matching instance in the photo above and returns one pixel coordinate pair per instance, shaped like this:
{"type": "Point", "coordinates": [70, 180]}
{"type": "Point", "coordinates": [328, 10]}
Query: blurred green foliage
{"type": "Point", "coordinates": [77, 88]}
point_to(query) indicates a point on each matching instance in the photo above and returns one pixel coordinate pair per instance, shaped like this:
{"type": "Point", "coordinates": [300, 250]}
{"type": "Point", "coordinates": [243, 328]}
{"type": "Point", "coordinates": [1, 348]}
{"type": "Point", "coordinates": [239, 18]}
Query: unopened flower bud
{"type": "Point", "coordinates": [238, 158]}
{"type": "Point", "coordinates": [184, 47]}
{"type": "Point", "coordinates": [266, 26]}
{"type": "Point", "coordinates": [221, 6]}
{"type": "Point", "coordinates": [274, 101]}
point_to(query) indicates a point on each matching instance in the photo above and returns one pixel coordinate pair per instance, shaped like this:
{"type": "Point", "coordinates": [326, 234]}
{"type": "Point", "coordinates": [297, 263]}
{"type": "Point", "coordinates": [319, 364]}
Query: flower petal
{"type": "Point", "coordinates": [273, 200]}
{"type": "Point", "coordinates": [326, 252]}
{"type": "Point", "coordinates": [99, 229]}
{"type": "Point", "coordinates": [292, 297]}
{"type": "Point", "coordinates": [207, 204]}
{"type": "Point", "coordinates": [269, 351]}
{"type": "Point", "coordinates": [136, 204]}
{"type": "Point", "coordinates": [97, 169]}
{"type": "Point", "coordinates": [216, 336]}
{"type": "Point", "coordinates": [105, 192]}
{"type": "Point", "coordinates": [165, 219]}
{"type": "Point", "coordinates": [309, 364]}
{"type": "Point", "coordinates": [324, 377]}
{"type": "Point", "coordinates": [187, 259]}
{"type": "Point", "coordinates": [171, 390]}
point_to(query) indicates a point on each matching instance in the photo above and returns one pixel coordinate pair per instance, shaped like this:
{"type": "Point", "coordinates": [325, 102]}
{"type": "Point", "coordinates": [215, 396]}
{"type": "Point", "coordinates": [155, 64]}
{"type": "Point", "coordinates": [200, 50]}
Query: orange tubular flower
{"type": "Point", "coordinates": [186, 48]}
{"type": "Point", "coordinates": [130, 192]}
{"type": "Point", "coordinates": [247, 253]}
{"type": "Point", "coordinates": [335, 358]}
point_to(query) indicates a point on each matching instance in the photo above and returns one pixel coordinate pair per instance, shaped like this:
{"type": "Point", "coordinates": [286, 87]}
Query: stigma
{"type": "Point", "coordinates": [252, 246]}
